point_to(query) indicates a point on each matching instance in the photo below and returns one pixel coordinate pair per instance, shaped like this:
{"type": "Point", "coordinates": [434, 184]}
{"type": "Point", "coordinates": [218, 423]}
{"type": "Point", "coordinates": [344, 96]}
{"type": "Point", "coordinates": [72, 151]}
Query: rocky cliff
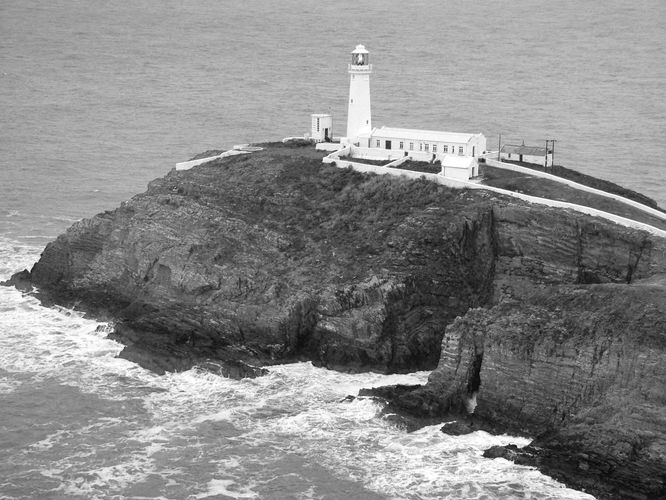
{"type": "Point", "coordinates": [274, 256]}
{"type": "Point", "coordinates": [548, 322]}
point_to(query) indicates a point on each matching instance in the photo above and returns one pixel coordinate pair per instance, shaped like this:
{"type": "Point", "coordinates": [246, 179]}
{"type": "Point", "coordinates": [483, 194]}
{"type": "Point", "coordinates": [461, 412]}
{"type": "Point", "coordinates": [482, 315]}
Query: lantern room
{"type": "Point", "coordinates": [360, 56]}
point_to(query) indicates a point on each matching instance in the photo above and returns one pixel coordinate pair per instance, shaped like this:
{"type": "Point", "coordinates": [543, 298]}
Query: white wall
{"type": "Point", "coordinates": [376, 153]}
{"type": "Point", "coordinates": [186, 165]}
{"type": "Point", "coordinates": [461, 174]}
{"type": "Point", "coordinates": [481, 144]}
{"type": "Point", "coordinates": [328, 146]}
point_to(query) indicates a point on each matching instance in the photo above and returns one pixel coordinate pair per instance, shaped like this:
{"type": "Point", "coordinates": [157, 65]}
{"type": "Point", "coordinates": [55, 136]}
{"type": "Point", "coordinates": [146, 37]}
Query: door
{"type": "Point", "coordinates": [326, 138]}
{"type": "Point", "coordinates": [388, 144]}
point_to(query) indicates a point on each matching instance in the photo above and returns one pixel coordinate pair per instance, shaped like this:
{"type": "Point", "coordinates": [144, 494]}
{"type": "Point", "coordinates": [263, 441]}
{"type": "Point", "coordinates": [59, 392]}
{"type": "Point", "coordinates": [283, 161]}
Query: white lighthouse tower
{"type": "Point", "coordinates": [359, 120]}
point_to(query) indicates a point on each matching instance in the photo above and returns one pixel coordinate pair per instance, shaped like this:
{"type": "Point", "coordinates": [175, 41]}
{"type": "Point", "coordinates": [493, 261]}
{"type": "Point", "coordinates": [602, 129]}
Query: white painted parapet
{"type": "Point", "coordinates": [186, 165]}
{"type": "Point", "coordinates": [328, 146]}
{"type": "Point", "coordinates": [398, 162]}
{"type": "Point", "coordinates": [337, 154]}
{"type": "Point", "coordinates": [239, 149]}
{"type": "Point", "coordinates": [576, 185]}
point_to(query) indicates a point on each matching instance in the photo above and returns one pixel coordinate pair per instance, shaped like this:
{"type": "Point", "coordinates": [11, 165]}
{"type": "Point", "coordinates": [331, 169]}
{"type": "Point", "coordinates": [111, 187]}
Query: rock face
{"type": "Point", "coordinates": [579, 366]}
{"type": "Point", "coordinates": [569, 349]}
{"type": "Point", "coordinates": [537, 320]}
{"type": "Point", "coordinates": [274, 256]}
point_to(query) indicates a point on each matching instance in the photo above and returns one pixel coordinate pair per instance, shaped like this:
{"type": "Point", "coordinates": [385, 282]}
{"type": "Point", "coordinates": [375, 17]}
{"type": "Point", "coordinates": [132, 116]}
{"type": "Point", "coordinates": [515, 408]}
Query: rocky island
{"type": "Point", "coordinates": [535, 320]}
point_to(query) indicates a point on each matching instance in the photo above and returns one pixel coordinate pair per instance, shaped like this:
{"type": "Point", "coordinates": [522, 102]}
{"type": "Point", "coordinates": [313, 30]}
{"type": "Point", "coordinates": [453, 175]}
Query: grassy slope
{"type": "Point", "coordinates": [544, 188]}
{"type": "Point", "coordinates": [588, 180]}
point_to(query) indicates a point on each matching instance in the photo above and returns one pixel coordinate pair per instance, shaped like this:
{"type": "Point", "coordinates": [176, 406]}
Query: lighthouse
{"type": "Point", "coordinates": [359, 120]}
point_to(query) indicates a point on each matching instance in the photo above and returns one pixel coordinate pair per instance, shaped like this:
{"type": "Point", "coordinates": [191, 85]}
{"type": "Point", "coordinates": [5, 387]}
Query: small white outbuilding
{"type": "Point", "coordinates": [322, 127]}
{"type": "Point", "coordinates": [461, 168]}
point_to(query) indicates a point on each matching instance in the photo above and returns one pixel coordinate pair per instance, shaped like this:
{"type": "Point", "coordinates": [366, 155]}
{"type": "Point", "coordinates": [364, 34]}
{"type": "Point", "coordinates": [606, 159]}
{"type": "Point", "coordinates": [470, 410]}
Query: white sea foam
{"type": "Point", "coordinates": [228, 488]}
{"type": "Point", "coordinates": [8, 384]}
{"type": "Point", "coordinates": [16, 256]}
{"type": "Point", "coordinates": [297, 409]}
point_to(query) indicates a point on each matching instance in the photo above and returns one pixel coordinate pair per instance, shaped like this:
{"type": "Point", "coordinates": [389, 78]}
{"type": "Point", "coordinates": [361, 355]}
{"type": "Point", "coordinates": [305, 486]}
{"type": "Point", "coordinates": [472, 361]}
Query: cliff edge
{"type": "Point", "coordinates": [535, 320]}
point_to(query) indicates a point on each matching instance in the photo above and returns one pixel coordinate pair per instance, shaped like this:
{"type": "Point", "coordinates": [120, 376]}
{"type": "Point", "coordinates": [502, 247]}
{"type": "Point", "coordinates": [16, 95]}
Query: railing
{"type": "Point", "coordinates": [366, 68]}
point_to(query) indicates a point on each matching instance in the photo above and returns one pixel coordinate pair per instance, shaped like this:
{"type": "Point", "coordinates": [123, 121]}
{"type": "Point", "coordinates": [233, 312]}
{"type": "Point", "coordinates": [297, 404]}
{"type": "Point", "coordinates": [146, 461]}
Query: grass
{"type": "Point", "coordinates": [208, 154]}
{"type": "Point", "coordinates": [420, 166]}
{"type": "Point", "coordinates": [366, 161]}
{"type": "Point", "coordinates": [588, 180]}
{"type": "Point", "coordinates": [544, 188]}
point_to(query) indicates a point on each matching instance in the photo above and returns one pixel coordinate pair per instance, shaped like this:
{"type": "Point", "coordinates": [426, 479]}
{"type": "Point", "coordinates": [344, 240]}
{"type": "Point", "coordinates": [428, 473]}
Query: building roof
{"type": "Point", "coordinates": [360, 49]}
{"type": "Point", "coordinates": [453, 161]}
{"type": "Point", "coordinates": [523, 150]}
{"type": "Point", "coordinates": [412, 134]}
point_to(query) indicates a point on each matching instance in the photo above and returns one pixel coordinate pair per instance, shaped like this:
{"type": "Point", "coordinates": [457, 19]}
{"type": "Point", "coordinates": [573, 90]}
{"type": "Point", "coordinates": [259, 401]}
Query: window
{"type": "Point", "coordinates": [411, 146]}
{"type": "Point", "coordinates": [420, 146]}
{"type": "Point", "coordinates": [401, 145]}
{"type": "Point", "coordinates": [317, 124]}
{"type": "Point", "coordinates": [445, 148]}
{"type": "Point", "coordinates": [427, 147]}
{"type": "Point", "coordinates": [377, 143]}
{"type": "Point", "coordinates": [460, 150]}
{"type": "Point", "coordinates": [434, 148]}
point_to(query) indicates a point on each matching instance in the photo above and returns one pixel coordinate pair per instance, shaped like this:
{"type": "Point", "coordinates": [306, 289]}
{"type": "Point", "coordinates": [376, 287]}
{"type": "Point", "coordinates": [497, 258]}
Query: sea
{"type": "Point", "coordinates": [98, 97]}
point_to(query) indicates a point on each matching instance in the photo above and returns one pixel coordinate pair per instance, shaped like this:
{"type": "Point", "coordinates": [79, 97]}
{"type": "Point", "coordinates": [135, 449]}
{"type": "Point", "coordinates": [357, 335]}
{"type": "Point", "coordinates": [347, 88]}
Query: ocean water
{"type": "Point", "coordinates": [99, 97]}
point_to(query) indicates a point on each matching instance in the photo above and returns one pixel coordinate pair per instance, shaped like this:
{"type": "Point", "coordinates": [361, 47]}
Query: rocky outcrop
{"type": "Point", "coordinates": [537, 320]}
{"type": "Point", "coordinates": [579, 366]}
{"type": "Point", "coordinates": [274, 257]}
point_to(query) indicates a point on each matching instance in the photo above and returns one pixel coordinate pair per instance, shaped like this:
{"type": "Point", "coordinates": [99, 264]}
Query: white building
{"type": "Point", "coordinates": [322, 127]}
{"type": "Point", "coordinates": [427, 144]}
{"type": "Point", "coordinates": [528, 154]}
{"type": "Point", "coordinates": [389, 143]}
{"type": "Point", "coordinates": [461, 168]}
